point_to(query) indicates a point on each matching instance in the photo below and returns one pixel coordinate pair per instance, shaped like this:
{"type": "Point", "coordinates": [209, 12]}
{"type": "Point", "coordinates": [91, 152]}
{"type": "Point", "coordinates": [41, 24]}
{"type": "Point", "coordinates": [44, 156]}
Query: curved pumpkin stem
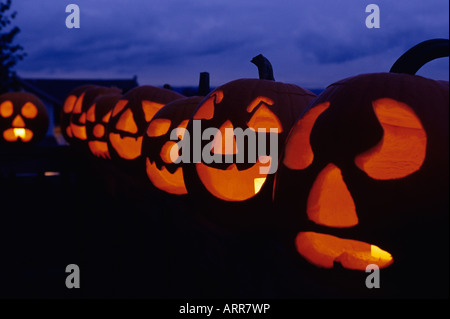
{"type": "Point", "coordinates": [203, 84]}
{"type": "Point", "coordinates": [416, 57]}
{"type": "Point", "coordinates": [264, 67]}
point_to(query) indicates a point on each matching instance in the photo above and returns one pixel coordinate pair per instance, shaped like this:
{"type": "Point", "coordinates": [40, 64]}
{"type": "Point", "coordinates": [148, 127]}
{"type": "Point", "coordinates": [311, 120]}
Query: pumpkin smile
{"type": "Point", "coordinates": [99, 149]}
{"type": "Point", "coordinates": [13, 134]}
{"type": "Point", "coordinates": [164, 180]}
{"type": "Point", "coordinates": [323, 250]}
{"type": "Point", "coordinates": [127, 147]}
{"type": "Point", "coordinates": [232, 184]}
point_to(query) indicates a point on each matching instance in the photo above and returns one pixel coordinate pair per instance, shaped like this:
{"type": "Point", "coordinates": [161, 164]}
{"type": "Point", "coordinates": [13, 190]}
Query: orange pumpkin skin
{"type": "Point", "coordinates": [247, 104]}
{"type": "Point", "coordinates": [128, 122]}
{"type": "Point", "coordinates": [24, 119]}
{"type": "Point", "coordinates": [161, 171]}
{"type": "Point", "coordinates": [385, 137]}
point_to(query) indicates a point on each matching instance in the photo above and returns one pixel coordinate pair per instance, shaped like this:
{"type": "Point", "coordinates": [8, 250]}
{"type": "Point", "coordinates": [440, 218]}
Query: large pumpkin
{"type": "Point", "coordinates": [364, 180]}
{"type": "Point", "coordinates": [23, 119]}
{"type": "Point", "coordinates": [129, 120]}
{"type": "Point", "coordinates": [232, 174]}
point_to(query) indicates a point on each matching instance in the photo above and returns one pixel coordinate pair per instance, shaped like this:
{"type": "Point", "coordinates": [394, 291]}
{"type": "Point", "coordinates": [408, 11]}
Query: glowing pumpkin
{"type": "Point", "coordinates": [23, 119]}
{"type": "Point", "coordinates": [97, 119]}
{"type": "Point", "coordinates": [129, 120]}
{"type": "Point", "coordinates": [157, 145]}
{"type": "Point", "coordinates": [264, 110]}
{"type": "Point", "coordinates": [364, 180]}
{"type": "Point", "coordinates": [79, 113]}
{"type": "Point", "coordinates": [66, 111]}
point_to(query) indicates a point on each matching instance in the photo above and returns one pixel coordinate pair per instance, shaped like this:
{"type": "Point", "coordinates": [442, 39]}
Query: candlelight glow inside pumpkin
{"type": "Point", "coordinates": [23, 118]}
{"type": "Point", "coordinates": [163, 167]}
{"type": "Point", "coordinates": [97, 119]}
{"type": "Point", "coordinates": [400, 152]}
{"type": "Point", "coordinates": [232, 183]}
{"type": "Point", "coordinates": [130, 118]}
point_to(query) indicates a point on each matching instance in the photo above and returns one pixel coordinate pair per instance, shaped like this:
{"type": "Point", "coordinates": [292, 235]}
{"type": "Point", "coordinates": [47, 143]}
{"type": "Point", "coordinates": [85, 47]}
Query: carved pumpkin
{"type": "Point", "coordinates": [66, 111]}
{"type": "Point", "coordinates": [79, 113]}
{"type": "Point", "coordinates": [253, 106]}
{"type": "Point", "coordinates": [129, 121]}
{"type": "Point", "coordinates": [23, 119]}
{"type": "Point", "coordinates": [97, 119]}
{"type": "Point", "coordinates": [157, 145]}
{"type": "Point", "coordinates": [364, 180]}
{"type": "Point", "coordinates": [163, 170]}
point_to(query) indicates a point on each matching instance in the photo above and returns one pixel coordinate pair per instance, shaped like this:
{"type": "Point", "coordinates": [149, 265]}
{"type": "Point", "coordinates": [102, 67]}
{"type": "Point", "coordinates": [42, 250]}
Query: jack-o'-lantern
{"type": "Point", "coordinates": [97, 118]}
{"type": "Point", "coordinates": [165, 171]}
{"type": "Point", "coordinates": [79, 113]}
{"type": "Point", "coordinates": [23, 119]}
{"type": "Point", "coordinates": [66, 111]}
{"type": "Point", "coordinates": [364, 180]}
{"type": "Point", "coordinates": [129, 120]}
{"type": "Point", "coordinates": [235, 134]}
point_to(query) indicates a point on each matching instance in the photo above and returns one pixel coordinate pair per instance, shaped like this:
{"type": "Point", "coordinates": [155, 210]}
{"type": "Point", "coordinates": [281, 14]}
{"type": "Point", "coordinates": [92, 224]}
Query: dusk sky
{"type": "Point", "coordinates": [309, 43]}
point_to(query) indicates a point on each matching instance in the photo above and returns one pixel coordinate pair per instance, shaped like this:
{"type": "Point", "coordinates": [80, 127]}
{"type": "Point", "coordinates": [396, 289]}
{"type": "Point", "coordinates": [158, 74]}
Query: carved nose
{"type": "Point", "coordinates": [330, 202]}
{"type": "Point", "coordinates": [18, 122]}
{"type": "Point", "coordinates": [224, 141]}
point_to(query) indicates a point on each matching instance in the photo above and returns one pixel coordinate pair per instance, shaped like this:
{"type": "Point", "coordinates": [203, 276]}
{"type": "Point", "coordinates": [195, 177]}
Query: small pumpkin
{"type": "Point", "coordinates": [242, 179]}
{"type": "Point", "coordinates": [23, 119]}
{"type": "Point", "coordinates": [160, 148]}
{"type": "Point", "coordinates": [129, 120]}
{"type": "Point", "coordinates": [79, 113]}
{"type": "Point", "coordinates": [66, 111]}
{"type": "Point", "coordinates": [364, 180]}
{"type": "Point", "coordinates": [97, 119]}
{"type": "Point", "coordinates": [162, 169]}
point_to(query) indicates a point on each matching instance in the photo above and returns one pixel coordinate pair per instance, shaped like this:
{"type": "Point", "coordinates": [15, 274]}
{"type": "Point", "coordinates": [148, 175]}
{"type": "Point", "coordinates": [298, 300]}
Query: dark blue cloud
{"type": "Point", "coordinates": [170, 40]}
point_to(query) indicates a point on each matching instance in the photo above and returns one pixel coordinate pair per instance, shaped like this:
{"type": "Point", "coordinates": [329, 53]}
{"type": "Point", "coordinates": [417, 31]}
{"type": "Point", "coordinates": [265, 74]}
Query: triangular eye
{"type": "Point", "coordinates": [90, 114]}
{"type": "Point", "coordinates": [206, 110]}
{"type": "Point", "coordinates": [150, 108]}
{"type": "Point", "coordinates": [78, 104]}
{"type": "Point", "coordinates": [69, 103]}
{"type": "Point", "coordinates": [158, 127]}
{"type": "Point", "coordinates": [6, 109]}
{"type": "Point", "coordinates": [402, 149]}
{"type": "Point", "coordinates": [126, 122]}
{"type": "Point", "coordinates": [264, 119]}
{"type": "Point", "coordinates": [106, 118]}
{"type": "Point", "coordinates": [256, 102]}
{"type": "Point", "coordinates": [119, 107]}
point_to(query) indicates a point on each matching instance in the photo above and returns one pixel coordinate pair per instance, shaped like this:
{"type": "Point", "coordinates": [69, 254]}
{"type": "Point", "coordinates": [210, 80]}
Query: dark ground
{"type": "Point", "coordinates": [131, 241]}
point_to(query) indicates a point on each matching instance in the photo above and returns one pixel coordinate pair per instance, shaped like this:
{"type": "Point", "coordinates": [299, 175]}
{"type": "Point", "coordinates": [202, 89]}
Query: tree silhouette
{"type": "Point", "coordinates": [10, 53]}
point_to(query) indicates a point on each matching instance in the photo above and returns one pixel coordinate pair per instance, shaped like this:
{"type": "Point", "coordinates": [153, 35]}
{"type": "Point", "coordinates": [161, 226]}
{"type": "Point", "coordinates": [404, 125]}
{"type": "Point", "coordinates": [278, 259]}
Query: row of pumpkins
{"type": "Point", "coordinates": [367, 159]}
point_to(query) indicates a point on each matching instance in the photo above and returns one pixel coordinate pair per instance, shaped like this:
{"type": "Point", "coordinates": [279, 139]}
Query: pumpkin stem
{"type": "Point", "coordinates": [264, 67]}
{"type": "Point", "coordinates": [413, 59]}
{"type": "Point", "coordinates": [203, 84]}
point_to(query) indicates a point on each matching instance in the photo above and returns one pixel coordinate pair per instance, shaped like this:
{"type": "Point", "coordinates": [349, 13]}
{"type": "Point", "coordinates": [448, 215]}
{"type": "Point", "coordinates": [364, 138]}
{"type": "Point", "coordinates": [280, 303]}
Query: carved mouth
{"type": "Point", "coordinates": [166, 181]}
{"type": "Point", "coordinates": [99, 149]}
{"type": "Point", "coordinates": [13, 134]}
{"type": "Point", "coordinates": [232, 184]}
{"type": "Point", "coordinates": [323, 250]}
{"type": "Point", "coordinates": [127, 147]}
